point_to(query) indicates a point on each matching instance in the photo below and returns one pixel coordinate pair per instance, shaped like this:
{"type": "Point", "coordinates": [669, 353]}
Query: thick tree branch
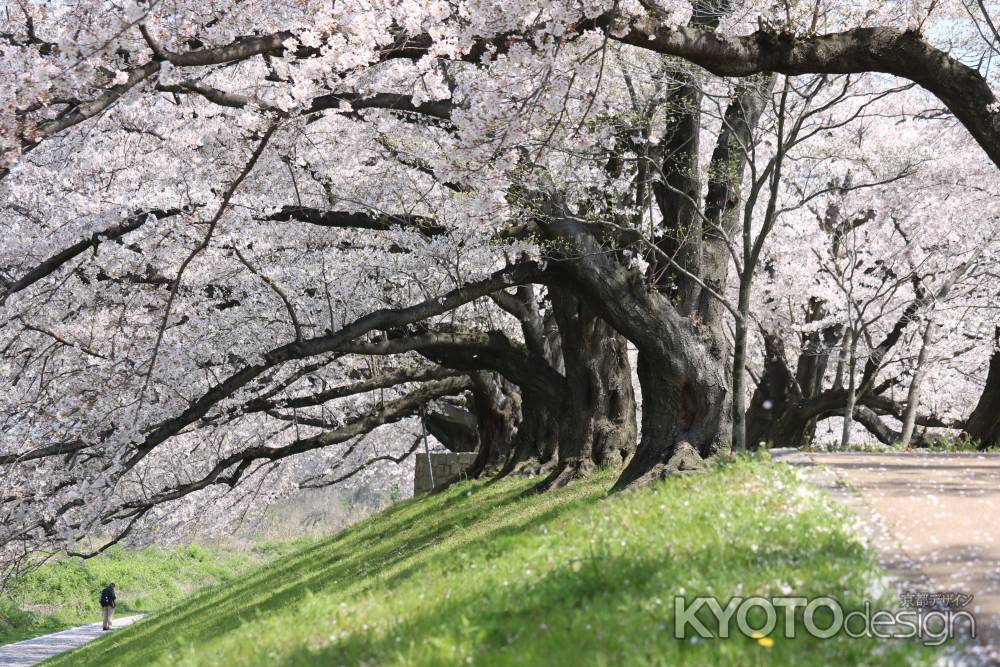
{"type": "Point", "coordinates": [57, 449]}
{"type": "Point", "coordinates": [384, 381]}
{"type": "Point", "coordinates": [472, 351]}
{"type": "Point", "coordinates": [440, 109]}
{"type": "Point", "coordinates": [112, 233]}
{"type": "Point", "coordinates": [357, 220]}
{"type": "Point", "coordinates": [321, 481]}
{"type": "Point", "coordinates": [963, 90]}
{"type": "Point", "coordinates": [378, 320]}
{"type": "Point", "coordinates": [391, 412]}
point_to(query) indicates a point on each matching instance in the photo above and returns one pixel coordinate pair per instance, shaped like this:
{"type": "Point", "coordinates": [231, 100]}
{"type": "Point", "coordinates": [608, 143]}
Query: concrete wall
{"type": "Point", "coordinates": [447, 465]}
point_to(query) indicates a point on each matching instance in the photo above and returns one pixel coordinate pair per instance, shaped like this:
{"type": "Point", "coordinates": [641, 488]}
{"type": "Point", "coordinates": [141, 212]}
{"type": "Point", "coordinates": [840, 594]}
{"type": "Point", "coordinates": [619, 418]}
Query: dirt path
{"type": "Point", "coordinates": [34, 651]}
{"type": "Point", "coordinates": [942, 516]}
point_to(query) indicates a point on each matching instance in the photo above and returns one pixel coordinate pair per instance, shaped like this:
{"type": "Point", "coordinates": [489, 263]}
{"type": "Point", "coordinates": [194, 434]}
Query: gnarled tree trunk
{"type": "Point", "coordinates": [537, 439]}
{"type": "Point", "coordinates": [454, 427]}
{"type": "Point", "coordinates": [684, 372]}
{"type": "Point", "coordinates": [615, 433]}
{"type": "Point", "coordinates": [774, 416]}
{"type": "Point", "coordinates": [685, 413]}
{"type": "Point", "coordinates": [597, 417]}
{"type": "Point", "coordinates": [496, 404]}
{"type": "Point", "coordinates": [775, 393]}
{"type": "Point", "coordinates": [983, 425]}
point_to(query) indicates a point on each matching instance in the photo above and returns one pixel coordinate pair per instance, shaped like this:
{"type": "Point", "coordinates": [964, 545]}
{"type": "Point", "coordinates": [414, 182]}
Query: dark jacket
{"type": "Point", "coordinates": [108, 597]}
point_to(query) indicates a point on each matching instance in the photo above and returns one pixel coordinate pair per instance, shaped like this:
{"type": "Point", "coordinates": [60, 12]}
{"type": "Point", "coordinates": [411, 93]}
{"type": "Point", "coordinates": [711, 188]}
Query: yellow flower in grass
{"type": "Point", "coordinates": [763, 640]}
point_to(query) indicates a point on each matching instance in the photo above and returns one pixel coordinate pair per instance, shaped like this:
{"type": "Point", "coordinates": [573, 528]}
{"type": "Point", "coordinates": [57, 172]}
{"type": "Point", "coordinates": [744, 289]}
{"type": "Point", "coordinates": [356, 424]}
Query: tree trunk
{"type": "Point", "coordinates": [774, 416]}
{"type": "Point", "coordinates": [454, 427]}
{"type": "Point", "coordinates": [537, 438]}
{"type": "Point", "coordinates": [684, 363]}
{"type": "Point", "coordinates": [983, 425]}
{"type": "Point", "coordinates": [810, 370]}
{"type": "Point", "coordinates": [845, 435]}
{"type": "Point", "coordinates": [740, 367]}
{"type": "Point", "coordinates": [685, 418]}
{"type": "Point", "coordinates": [913, 394]}
{"type": "Point", "coordinates": [616, 433]}
{"type": "Point", "coordinates": [597, 417]}
{"type": "Point", "coordinates": [774, 396]}
{"type": "Point", "coordinates": [672, 315]}
{"type": "Point", "coordinates": [497, 409]}
{"type": "Point", "coordinates": [595, 357]}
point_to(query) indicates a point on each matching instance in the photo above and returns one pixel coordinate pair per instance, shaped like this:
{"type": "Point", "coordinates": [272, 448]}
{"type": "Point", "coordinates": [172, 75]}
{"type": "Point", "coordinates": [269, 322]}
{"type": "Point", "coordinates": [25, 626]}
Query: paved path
{"type": "Point", "coordinates": [33, 651]}
{"type": "Point", "coordinates": [941, 513]}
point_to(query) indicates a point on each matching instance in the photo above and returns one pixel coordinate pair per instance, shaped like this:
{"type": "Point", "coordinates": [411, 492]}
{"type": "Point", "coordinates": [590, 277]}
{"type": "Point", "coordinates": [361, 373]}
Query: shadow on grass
{"type": "Point", "coordinates": [605, 611]}
{"type": "Point", "coordinates": [602, 610]}
{"type": "Point", "coordinates": [347, 560]}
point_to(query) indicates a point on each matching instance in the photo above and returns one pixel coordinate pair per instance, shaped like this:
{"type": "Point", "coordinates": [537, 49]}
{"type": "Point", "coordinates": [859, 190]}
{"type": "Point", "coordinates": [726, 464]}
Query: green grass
{"type": "Point", "coordinates": [486, 574]}
{"type": "Point", "coordinates": [65, 593]}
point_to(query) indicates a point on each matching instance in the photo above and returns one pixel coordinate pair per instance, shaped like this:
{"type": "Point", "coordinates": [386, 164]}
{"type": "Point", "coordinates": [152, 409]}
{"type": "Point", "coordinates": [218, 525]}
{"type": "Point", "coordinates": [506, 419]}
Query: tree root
{"type": "Point", "coordinates": [684, 461]}
{"type": "Point", "coordinates": [564, 473]}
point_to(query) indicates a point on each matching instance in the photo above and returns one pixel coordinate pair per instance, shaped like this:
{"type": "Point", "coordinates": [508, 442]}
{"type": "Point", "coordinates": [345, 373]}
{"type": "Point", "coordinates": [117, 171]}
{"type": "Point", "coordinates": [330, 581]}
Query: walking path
{"type": "Point", "coordinates": [34, 651]}
{"type": "Point", "coordinates": [934, 519]}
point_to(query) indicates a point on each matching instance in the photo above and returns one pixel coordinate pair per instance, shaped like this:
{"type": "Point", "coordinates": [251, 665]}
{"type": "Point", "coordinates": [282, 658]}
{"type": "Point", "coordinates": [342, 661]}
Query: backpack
{"type": "Point", "coordinates": [107, 597]}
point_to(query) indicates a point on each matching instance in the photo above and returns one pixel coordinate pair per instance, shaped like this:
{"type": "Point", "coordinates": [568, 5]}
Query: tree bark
{"type": "Point", "coordinates": [685, 419]}
{"type": "Point", "coordinates": [913, 393]}
{"type": "Point", "coordinates": [497, 410]}
{"type": "Point", "coordinates": [597, 420]}
{"type": "Point", "coordinates": [776, 392]}
{"type": "Point", "coordinates": [616, 433]}
{"type": "Point", "coordinates": [454, 427]}
{"type": "Point", "coordinates": [851, 338]}
{"type": "Point", "coordinates": [965, 91]}
{"type": "Point", "coordinates": [537, 439]}
{"type": "Point", "coordinates": [683, 363]}
{"type": "Point", "coordinates": [983, 425]}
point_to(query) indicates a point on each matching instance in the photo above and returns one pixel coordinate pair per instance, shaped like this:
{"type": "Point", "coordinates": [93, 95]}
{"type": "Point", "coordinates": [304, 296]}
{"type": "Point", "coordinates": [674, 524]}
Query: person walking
{"type": "Point", "coordinates": [108, 601]}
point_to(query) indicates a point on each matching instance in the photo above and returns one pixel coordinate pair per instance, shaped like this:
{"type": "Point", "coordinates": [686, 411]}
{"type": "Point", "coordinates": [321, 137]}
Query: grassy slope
{"type": "Point", "coordinates": [483, 574]}
{"type": "Point", "coordinates": [63, 594]}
